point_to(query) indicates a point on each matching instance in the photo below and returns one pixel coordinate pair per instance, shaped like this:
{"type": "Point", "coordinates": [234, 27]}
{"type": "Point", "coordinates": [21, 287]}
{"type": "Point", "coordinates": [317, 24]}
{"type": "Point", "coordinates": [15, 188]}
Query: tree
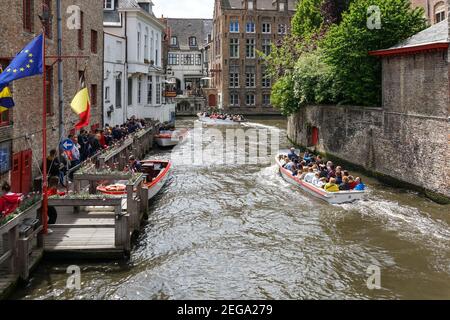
{"type": "Point", "coordinates": [307, 18]}
{"type": "Point", "coordinates": [282, 96]}
{"type": "Point", "coordinates": [346, 46]}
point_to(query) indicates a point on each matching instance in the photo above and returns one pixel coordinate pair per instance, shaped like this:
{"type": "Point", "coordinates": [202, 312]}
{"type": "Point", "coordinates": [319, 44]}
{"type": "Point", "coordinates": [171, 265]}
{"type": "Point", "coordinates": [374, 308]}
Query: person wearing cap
{"type": "Point", "coordinates": [292, 155]}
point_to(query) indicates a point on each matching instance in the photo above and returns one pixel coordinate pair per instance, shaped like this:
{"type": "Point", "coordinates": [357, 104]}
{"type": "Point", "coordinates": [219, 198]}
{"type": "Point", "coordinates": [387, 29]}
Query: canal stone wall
{"type": "Point", "coordinates": [407, 140]}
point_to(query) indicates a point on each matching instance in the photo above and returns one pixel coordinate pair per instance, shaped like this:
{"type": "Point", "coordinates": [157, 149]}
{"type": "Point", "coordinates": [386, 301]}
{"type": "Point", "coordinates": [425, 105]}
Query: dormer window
{"type": "Point", "coordinates": [192, 41]}
{"type": "Point", "coordinates": [108, 4]}
{"type": "Point", "coordinates": [173, 41]}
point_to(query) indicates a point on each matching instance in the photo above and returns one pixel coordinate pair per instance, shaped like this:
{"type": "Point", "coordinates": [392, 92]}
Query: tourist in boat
{"type": "Point", "coordinates": [360, 185]}
{"type": "Point", "coordinates": [316, 179]}
{"type": "Point", "coordinates": [331, 172]}
{"type": "Point", "coordinates": [292, 155]}
{"type": "Point", "coordinates": [307, 157]}
{"type": "Point", "coordinates": [134, 165]}
{"type": "Point", "coordinates": [338, 177]}
{"type": "Point", "coordinates": [352, 182]}
{"type": "Point", "coordinates": [345, 185]}
{"type": "Point", "coordinates": [310, 175]}
{"type": "Point", "coordinates": [9, 201]}
{"type": "Point", "coordinates": [331, 186]}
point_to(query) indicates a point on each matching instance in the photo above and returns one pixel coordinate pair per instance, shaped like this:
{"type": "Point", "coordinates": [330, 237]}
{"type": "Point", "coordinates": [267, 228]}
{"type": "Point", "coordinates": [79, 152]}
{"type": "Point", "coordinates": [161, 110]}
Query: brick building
{"type": "Point", "coordinates": [240, 29]}
{"type": "Point", "coordinates": [435, 10]}
{"type": "Point", "coordinates": [407, 139]}
{"type": "Point", "coordinates": [21, 127]}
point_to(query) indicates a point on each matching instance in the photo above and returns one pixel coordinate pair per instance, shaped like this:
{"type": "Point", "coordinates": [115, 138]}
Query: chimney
{"type": "Point", "coordinates": [146, 5]}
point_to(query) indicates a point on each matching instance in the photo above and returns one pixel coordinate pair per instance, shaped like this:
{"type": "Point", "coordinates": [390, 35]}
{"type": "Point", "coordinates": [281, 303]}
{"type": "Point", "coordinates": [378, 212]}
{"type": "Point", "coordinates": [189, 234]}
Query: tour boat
{"type": "Point", "coordinates": [331, 197]}
{"type": "Point", "coordinates": [168, 138]}
{"type": "Point", "coordinates": [208, 120]}
{"type": "Point", "coordinates": [156, 175]}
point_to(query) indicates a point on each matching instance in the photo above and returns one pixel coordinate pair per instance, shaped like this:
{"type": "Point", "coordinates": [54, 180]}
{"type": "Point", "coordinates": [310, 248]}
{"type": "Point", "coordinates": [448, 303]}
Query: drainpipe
{"type": "Point", "coordinates": [60, 72]}
{"type": "Point", "coordinates": [125, 76]}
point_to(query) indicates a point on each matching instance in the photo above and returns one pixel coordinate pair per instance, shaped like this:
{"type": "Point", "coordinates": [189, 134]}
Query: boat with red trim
{"type": "Point", "coordinates": [331, 197]}
{"type": "Point", "coordinates": [156, 172]}
{"type": "Point", "coordinates": [171, 138]}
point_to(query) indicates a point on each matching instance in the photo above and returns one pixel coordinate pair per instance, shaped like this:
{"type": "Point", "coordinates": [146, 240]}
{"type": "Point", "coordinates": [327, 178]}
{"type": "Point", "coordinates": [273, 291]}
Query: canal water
{"type": "Point", "coordinates": [239, 231]}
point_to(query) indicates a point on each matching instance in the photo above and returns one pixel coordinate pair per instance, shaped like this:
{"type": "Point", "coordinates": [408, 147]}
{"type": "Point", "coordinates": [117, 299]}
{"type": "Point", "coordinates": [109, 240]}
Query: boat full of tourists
{"type": "Point", "coordinates": [220, 119]}
{"type": "Point", "coordinates": [337, 197]}
{"type": "Point", "coordinates": [171, 138]}
{"type": "Point", "coordinates": [156, 172]}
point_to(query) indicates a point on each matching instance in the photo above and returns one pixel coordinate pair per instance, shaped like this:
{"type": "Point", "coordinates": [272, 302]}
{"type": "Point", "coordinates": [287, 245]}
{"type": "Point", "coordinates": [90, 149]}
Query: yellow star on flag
{"type": "Point", "coordinates": [9, 70]}
{"type": "Point", "coordinates": [30, 55]}
{"type": "Point", "coordinates": [31, 60]}
{"type": "Point", "coordinates": [22, 69]}
{"type": "Point", "coordinates": [28, 66]}
{"type": "Point", "coordinates": [15, 70]}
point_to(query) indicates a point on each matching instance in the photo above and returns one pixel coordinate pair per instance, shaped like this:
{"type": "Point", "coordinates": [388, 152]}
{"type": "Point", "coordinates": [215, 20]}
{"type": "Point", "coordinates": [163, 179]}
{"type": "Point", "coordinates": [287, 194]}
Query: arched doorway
{"type": "Point", "coordinates": [212, 101]}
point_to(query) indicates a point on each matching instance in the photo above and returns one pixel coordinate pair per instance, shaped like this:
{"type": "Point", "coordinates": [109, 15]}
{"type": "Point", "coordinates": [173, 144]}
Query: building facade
{"type": "Point", "coordinates": [435, 10]}
{"type": "Point", "coordinates": [241, 28]}
{"type": "Point", "coordinates": [134, 73]}
{"type": "Point", "coordinates": [21, 126]}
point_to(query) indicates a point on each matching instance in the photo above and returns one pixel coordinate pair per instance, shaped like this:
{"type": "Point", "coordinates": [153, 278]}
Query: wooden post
{"type": "Point", "coordinates": [122, 233]}
{"type": "Point", "coordinates": [144, 200]}
{"type": "Point", "coordinates": [10, 244]}
{"type": "Point", "coordinates": [23, 263]}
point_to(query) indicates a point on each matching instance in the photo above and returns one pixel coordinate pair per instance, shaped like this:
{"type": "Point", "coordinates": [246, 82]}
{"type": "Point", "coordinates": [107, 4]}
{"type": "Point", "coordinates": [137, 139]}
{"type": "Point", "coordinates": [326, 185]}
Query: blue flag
{"type": "Point", "coordinates": [27, 63]}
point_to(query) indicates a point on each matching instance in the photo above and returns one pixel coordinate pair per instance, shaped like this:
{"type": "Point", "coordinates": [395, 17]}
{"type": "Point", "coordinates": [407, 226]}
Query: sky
{"type": "Point", "coordinates": [184, 8]}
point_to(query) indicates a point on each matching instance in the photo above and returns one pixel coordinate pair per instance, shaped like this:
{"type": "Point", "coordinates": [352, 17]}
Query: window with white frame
{"type": "Point", "coordinates": [265, 79]}
{"type": "Point", "coordinates": [281, 6]}
{"type": "Point", "coordinates": [158, 90]}
{"type": "Point", "coordinates": [108, 4]}
{"type": "Point", "coordinates": [250, 27]}
{"type": "Point", "coordinates": [266, 99]}
{"type": "Point", "coordinates": [187, 59]}
{"type": "Point", "coordinates": [234, 48]}
{"type": "Point", "coordinates": [266, 27]}
{"type": "Point", "coordinates": [234, 99]}
{"type": "Point", "coordinates": [107, 94]}
{"type": "Point", "coordinates": [139, 43]}
{"type": "Point", "coordinates": [250, 48]}
{"type": "Point", "coordinates": [234, 76]}
{"type": "Point", "coordinates": [250, 99]}
{"type": "Point", "coordinates": [250, 5]}
{"type": "Point", "coordinates": [146, 44]}
{"type": "Point", "coordinates": [250, 76]}
{"type": "Point", "coordinates": [173, 41]}
{"type": "Point", "coordinates": [150, 90]}
{"type": "Point", "coordinates": [174, 59]}
{"type": "Point", "coordinates": [234, 26]}
{"type": "Point", "coordinates": [266, 46]}
{"type": "Point", "coordinates": [282, 28]}
{"type": "Point", "coordinates": [198, 59]}
{"type": "Point", "coordinates": [192, 41]}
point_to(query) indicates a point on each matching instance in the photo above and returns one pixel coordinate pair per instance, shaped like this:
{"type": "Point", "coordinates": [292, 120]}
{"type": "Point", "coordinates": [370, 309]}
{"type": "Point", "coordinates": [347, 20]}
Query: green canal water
{"type": "Point", "coordinates": [239, 231]}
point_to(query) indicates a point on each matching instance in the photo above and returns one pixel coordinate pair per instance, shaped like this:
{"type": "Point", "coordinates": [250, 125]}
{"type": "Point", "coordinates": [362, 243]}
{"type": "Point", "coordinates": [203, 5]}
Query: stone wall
{"type": "Point", "coordinates": [408, 139]}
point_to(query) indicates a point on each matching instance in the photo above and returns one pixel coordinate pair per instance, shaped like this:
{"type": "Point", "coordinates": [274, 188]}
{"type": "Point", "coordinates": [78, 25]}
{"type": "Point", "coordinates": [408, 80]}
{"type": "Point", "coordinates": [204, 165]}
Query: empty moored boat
{"type": "Point", "coordinates": [170, 138]}
{"type": "Point", "coordinates": [156, 175]}
{"type": "Point", "coordinates": [330, 197]}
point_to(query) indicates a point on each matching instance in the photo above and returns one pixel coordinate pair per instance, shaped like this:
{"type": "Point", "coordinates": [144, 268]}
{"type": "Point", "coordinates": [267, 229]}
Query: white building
{"type": "Point", "coordinates": [134, 76]}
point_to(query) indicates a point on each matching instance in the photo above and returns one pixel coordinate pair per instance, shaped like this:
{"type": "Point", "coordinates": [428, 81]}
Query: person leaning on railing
{"type": "Point", "coordinates": [9, 201]}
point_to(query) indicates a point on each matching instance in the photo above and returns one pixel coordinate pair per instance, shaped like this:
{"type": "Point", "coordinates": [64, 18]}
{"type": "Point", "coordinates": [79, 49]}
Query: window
{"type": "Point", "coordinates": [282, 28]}
{"type": "Point", "coordinates": [49, 88]}
{"type": "Point", "coordinates": [234, 77]}
{"type": "Point", "coordinates": [234, 48]}
{"type": "Point", "coordinates": [250, 28]}
{"type": "Point", "coordinates": [94, 41]}
{"type": "Point", "coordinates": [187, 59]}
{"type": "Point", "coordinates": [250, 48]}
{"type": "Point", "coordinates": [146, 45]}
{"type": "Point", "coordinates": [4, 118]}
{"type": "Point", "coordinates": [28, 6]}
{"type": "Point", "coordinates": [108, 4]}
{"type": "Point", "coordinates": [266, 99]}
{"type": "Point", "coordinates": [157, 63]}
{"type": "Point", "coordinates": [174, 59]}
{"type": "Point", "coordinates": [266, 81]}
{"type": "Point", "coordinates": [439, 12]}
{"type": "Point", "coordinates": [119, 51]}
{"type": "Point", "coordinates": [198, 59]}
{"type": "Point", "coordinates": [234, 99]}
{"type": "Point", "coordinates": [250, 5]}
{"type": "Point", "coordinates": [139, 43]}
{"type": "Point", "coordinates": [266, 27]}
{"type": "Point", "coordinates": [139, 90]}
{"type": "Point", "coordinates": [130, 91]}
{"type": "Point", "coordinates": [173, 41]}
{"type": "Point", "coordinates": [5, 157]}
{"type": "Point", "coordinates": [118, 93]}
{"type": "Point", "coordinates": [81, 32]}
{"type": "Point", "coordinates": [93, 95]}
{"type": "Point", "coordinates": [266, 46]}
{"type": "Point", "coordinates": [158, 90]}
{"type": "Point", "coordinates": [281, 7]}
{"type": "Point", "coordinates": [107, 94]}
{"type": "Point", "coordinates": [47, 6]}
{"type": "Point", "coordinates": [250, 99]}
{"type": "Point", "coordinates": [250, 77]}
{"type": "Point", "coordinates": [150, 90]}
{"type": "Point", "coordinates": [234, 26]}
{"type": "Point", "coordinates": [192, 41]}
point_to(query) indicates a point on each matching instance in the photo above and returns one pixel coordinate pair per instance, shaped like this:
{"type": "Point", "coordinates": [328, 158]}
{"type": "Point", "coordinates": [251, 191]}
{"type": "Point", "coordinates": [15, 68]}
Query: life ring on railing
{"type": "Point", "coordinates": [114, 189]}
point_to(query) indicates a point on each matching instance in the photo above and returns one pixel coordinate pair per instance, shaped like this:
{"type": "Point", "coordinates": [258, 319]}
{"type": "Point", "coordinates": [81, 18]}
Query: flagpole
{"type": "Point", "coordinates": [44, 139]}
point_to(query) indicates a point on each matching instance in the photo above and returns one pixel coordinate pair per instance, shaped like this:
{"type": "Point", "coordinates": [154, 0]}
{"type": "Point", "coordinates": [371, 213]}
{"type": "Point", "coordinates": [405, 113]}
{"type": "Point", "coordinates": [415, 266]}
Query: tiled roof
{"type": "Point", "coordinates": [185, 28]}
{"type": "Point", "coordinates": [260, 4]}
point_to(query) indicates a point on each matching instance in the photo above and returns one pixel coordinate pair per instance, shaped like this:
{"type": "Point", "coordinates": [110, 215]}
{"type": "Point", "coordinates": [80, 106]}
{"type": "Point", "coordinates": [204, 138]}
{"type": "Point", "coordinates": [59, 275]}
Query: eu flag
{"type": "Point", "coordinates": [27, 63]}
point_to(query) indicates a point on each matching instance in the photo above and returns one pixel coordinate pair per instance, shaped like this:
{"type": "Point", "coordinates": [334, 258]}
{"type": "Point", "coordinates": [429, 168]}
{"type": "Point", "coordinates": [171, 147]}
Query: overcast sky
{"type": "Point", "coordinates": [184, 8]}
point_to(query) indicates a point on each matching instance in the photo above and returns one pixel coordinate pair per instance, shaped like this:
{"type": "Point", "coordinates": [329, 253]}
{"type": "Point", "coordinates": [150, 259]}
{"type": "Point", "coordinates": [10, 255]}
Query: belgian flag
{"type": "Point", "coordinates": [6, 100]}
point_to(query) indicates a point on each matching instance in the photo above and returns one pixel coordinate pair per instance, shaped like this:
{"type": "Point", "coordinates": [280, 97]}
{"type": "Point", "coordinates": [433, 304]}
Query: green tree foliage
{"type": "Point", "coordinates": [346, 46]}
{"type": "Point", "coordinates": [308, 18]}
{"type": "Point", "coordinates": [283, 97]}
